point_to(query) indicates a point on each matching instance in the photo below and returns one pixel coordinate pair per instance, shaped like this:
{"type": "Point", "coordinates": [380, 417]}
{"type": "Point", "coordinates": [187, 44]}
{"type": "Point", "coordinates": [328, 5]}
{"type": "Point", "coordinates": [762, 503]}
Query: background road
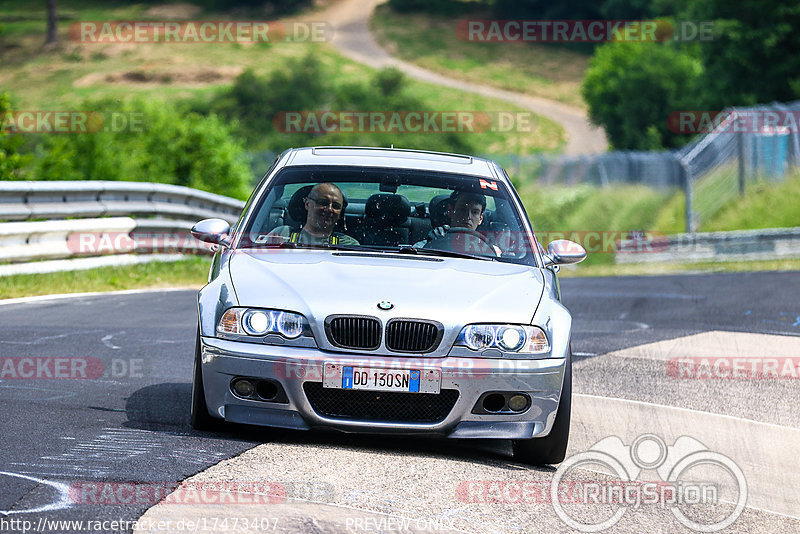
{"type": "Point", "coordinates": [131, 424]}
{"type": "Point", "coordinates": [350, 21]}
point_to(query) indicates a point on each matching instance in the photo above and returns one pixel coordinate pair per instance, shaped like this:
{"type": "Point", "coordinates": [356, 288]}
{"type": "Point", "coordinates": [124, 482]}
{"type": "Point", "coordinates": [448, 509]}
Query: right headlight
{"type": "Point", "coordinates": [247, 323]}
{"type": "Point", "coordinates": [518, 339]}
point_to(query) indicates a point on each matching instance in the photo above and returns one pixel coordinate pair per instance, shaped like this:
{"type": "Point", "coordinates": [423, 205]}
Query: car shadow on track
{"type": "Point", "coordinates": [165, 408]}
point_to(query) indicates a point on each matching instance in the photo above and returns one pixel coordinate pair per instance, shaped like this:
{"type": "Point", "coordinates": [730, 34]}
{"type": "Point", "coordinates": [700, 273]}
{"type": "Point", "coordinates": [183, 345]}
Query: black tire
{"type": "Point", "coordinates": [199, 416]}
{"type": "Point", "coordinates": [552, 448]}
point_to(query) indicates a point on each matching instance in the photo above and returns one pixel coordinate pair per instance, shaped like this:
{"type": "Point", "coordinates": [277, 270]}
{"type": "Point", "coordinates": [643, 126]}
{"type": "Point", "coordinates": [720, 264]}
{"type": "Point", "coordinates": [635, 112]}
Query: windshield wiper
{"type": "Point", "coordinates": [439, 252]}
{"type": "Point", "coordinates": [406, 249]}
{"type": "Point", "coordinates": [324, 246]}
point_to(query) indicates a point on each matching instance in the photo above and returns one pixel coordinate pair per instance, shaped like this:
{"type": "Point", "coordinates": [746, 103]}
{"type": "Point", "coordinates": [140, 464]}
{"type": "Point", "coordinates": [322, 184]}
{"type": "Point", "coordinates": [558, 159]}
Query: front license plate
{"type": "Point", "coordinates": [381, 379]}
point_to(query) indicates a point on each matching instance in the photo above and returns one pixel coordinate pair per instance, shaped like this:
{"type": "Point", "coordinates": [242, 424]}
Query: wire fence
{"type": "Point", "coordinates": [740, 147]}
{"type": "Point", "coordinates": [749, 146]}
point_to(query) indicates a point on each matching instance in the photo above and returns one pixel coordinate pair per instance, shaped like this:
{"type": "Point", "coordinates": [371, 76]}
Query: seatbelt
{"type": "Point", "coordinates": [294, 237]}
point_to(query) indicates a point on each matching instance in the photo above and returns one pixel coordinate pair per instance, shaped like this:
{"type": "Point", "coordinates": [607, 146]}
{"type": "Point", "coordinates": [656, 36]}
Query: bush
{"type": "Point", "coordinates": [307, 85]}
{"type": "Point", "coordinates": [254, 101]}
{"type": "Point", "coordinates": [11, 161]}
{"type": "Point", "coordinates": [438, 7]}
{"type": "Point", "coordinates": [632, 87]}
{"type": "Point", "coordinates": [390, 81]}
{"type": "Point", "coordinates": [182, 149]}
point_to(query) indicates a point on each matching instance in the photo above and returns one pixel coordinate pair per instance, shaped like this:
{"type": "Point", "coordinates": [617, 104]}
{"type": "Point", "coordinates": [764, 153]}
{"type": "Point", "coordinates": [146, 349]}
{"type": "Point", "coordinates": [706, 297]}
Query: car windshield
{"type": "Point", "coordinates": [389, 210]}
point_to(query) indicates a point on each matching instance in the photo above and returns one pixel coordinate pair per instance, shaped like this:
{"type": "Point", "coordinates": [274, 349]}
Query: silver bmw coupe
{"type": "Point", "coordinates": [386, 291]}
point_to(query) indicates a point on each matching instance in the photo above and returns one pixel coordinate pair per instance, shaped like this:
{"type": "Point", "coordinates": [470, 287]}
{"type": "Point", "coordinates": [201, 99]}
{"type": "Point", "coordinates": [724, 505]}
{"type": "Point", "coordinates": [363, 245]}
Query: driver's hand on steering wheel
{"type": "Point", "coordinates": [438, 232]}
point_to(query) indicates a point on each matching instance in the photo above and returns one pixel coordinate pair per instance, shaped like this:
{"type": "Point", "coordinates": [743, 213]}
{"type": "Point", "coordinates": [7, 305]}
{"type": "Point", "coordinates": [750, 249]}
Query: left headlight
{"type": "Point", "coordinates": [517, 339]}
{"type": "Point", "coordinates": [259, 323]}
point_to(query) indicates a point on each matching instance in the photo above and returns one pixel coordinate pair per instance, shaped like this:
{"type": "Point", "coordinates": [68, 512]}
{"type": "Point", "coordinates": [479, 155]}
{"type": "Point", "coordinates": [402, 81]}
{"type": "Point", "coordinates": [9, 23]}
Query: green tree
{"type": "Point", "coordinates": [439, 7]}
{"type": "Point", "coordinates": [754, 55]}
{"type": "Point", "coordinates": [253, 101]}
{"type": "Point", "coordinates": [548, 10]}
{"type": "Point", "coordinates": [632, 87]}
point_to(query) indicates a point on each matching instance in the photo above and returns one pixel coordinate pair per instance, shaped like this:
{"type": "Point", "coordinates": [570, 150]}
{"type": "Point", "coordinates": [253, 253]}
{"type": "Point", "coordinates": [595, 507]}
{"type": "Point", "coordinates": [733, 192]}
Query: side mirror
{"type": "Point", "coordinates": [212, 231]}
{"type": "Point", "coordinates": [564, 252]}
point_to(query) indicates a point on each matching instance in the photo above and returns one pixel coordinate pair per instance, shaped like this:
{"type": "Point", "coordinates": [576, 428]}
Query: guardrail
{"type": "Point", "coordinates": [105, 218]}
{"type": "Point", "coordinates": [22, 201]}
{"type": "Point", "coordinates": [743, 245]}
{"type": "Point", "coordinates": [100, 224]}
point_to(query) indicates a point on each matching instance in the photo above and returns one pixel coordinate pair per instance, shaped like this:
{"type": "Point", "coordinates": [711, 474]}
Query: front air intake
{"type": "Point", "coordinates": [405, 335]}
{"type": "Point", "coordinates": [354, 332]}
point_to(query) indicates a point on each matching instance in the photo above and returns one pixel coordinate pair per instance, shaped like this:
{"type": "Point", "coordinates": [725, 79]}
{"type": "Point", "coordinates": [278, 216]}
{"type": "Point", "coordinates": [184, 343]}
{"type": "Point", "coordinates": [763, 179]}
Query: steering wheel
{"type": "Point", "coordinates": [458, 239]}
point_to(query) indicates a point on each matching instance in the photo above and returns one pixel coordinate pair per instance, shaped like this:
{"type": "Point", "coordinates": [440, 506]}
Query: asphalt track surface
{"type": "Point", "coordinates": [130, 423]}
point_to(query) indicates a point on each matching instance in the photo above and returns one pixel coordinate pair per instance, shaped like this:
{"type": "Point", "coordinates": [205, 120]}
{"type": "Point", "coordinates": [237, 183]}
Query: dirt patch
{"type": "Point", "coordinates": [174, 11]}
{"type": "Point", "coordinates": [189, 76]}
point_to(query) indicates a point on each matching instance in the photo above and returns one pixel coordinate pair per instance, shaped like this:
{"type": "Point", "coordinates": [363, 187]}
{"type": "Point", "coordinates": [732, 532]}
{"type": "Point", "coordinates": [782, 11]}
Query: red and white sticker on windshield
{"type": "Point", "coordinates": [488, 184]}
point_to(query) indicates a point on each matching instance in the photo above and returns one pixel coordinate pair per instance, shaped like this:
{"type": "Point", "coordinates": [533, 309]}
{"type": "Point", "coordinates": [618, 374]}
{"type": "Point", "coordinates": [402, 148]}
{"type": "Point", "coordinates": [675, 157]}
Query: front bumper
{"type": "Point", "coordinates": [291, 367]}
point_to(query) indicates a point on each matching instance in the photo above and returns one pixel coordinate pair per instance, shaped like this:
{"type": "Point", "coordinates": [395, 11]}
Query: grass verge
{"type": "Point", "coordinates": [191, 272]}
{"type": "Point", "coordinates": [65, 77]}
{"type": "Point", "coordinates": [679, 268]}
{"type": "Point", "coordinates": [433, 42]}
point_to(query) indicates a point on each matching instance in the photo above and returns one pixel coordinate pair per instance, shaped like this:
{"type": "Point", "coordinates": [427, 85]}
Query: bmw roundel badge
{"type": "Point", "coordinates": [385, 305]}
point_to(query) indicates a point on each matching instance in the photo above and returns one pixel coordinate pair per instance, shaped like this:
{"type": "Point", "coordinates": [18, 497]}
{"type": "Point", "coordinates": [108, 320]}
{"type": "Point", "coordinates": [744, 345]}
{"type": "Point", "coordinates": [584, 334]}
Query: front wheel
{"type": "Point", "coordinates": [199, 416]}
{"type": "Point", "coordinates": [552, 448]}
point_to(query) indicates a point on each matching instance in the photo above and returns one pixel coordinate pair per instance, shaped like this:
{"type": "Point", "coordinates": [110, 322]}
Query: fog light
{"type": "Point", "coordinates": [243, 387]}
{"type": "Point", "coordinates": [518, 402]}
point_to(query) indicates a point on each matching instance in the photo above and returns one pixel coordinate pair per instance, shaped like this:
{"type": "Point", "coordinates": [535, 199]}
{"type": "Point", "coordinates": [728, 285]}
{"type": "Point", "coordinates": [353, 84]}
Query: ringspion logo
{"type": "Point", "coordinates": [691, 479]}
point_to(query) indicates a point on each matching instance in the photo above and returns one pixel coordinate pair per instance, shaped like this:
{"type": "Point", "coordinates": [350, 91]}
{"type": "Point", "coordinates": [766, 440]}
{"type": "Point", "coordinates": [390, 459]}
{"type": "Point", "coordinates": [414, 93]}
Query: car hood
{"type": "Point", "coordinates": [319, 283]}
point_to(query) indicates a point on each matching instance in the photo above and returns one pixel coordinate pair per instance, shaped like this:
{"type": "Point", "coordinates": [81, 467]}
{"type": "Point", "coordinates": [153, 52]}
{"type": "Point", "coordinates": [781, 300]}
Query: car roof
{"type": "Point", "coordinates": [394, 158]}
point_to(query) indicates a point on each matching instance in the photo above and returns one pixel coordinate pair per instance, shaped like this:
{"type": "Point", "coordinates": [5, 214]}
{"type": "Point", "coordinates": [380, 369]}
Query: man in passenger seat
{"type": "Point", "coordinates": [325, 206]}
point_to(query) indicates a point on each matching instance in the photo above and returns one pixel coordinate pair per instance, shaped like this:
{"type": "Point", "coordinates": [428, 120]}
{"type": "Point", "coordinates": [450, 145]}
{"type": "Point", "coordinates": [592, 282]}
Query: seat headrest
{"type": "Point", "coordinates": [386, 209]}
{"type": "Point", "coordinates": [297, 206]}
{"type": "Point", "coordinates": [438, 210]}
